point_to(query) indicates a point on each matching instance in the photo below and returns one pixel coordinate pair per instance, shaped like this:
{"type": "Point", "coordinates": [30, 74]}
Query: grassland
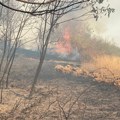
{"type": "Point", "coordinates": [59, 96]}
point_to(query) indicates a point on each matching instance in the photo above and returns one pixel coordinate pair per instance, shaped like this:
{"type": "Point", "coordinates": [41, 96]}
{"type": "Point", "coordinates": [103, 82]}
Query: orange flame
{"type": "Point", "coordinates": [66, 35]}
{"type": "Point", "coordinates": [65, 45]}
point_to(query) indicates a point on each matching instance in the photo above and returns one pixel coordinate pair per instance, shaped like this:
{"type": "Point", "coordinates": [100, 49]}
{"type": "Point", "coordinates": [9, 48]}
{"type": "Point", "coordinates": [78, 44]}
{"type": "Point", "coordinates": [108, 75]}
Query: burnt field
{"type": "Point", "coordinates": [58, 96]}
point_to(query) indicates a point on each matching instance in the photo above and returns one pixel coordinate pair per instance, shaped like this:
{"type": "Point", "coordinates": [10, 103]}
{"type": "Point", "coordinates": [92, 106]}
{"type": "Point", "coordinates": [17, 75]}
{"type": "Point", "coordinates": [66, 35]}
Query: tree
{"type": "Point", "coordinates": [12, 26]}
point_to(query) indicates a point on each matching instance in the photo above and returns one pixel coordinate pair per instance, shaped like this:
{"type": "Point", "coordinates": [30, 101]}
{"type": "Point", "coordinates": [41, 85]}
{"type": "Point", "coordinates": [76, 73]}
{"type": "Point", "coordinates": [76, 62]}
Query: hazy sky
{"type": "Point", "coordinates": [110, 27]}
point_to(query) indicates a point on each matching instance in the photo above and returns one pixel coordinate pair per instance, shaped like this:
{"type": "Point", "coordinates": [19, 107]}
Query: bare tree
{"type": "Point", "coordinates": [41, 7]}
{"type": "Point", "coordinates": [12, 29]}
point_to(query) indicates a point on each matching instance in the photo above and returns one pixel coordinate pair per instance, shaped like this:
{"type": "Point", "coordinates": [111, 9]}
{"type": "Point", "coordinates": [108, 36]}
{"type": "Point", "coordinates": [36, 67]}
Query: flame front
{"type": "Point", "coordinates": [64, 46]}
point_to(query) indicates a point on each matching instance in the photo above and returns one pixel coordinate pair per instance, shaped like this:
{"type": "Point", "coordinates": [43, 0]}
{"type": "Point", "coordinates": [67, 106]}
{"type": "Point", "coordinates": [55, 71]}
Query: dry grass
{"type": "Point", "coordinates": [107, 67]}
{"type": "Point", "coordinates": [102, 69]}
{"type": "Point", "coordinates": [50, 101]}
{"type": "Point", "coordinates": [61, 100]}
{"type": "Point", "coordinates": [110, 62]}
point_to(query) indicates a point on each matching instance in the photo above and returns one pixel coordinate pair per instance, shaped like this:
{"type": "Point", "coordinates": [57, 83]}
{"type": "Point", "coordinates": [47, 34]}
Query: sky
{"type": "Point", "coordinates": [109, 28]}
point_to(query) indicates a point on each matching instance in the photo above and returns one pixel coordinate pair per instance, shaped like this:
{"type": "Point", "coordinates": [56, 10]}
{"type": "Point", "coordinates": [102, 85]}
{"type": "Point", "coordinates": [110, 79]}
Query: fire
{"type": "Point", "coordinates": [65, 45]}
{"type": "Point", "coordinates": [66, 35]}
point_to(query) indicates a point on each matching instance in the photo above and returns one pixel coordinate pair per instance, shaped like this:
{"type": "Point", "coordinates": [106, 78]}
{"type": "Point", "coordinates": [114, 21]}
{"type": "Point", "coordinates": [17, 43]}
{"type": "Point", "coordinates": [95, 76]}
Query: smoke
{"type": "Point", "coordinates": [108, 28]}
